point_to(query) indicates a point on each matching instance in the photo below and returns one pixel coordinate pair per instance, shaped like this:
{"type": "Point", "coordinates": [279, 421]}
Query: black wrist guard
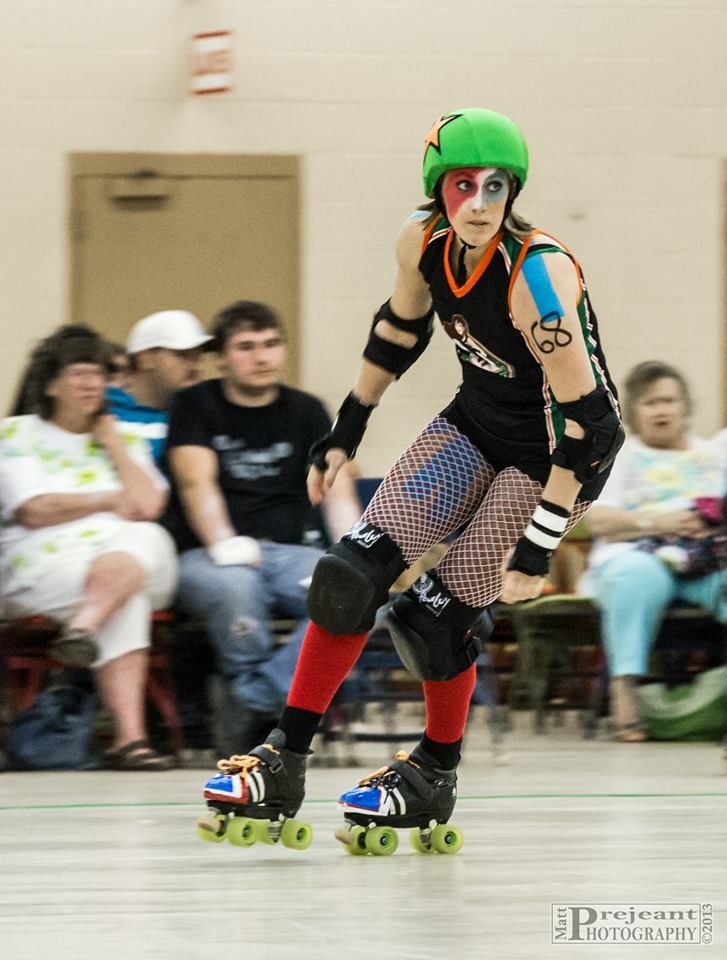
{"type": "Point", "coordinates": [346, 433]}
{"type": "Point", "coordinates": [542, 536]}
{"type": "Point", "coordinates": [393, 357]}
{"type": "Point", "coordinates": [530, 559]}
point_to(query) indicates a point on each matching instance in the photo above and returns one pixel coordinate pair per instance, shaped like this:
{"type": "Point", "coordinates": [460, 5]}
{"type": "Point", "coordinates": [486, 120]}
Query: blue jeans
{"type": "Point", "coordinates": [633, 589]}
{"type": "Point", "coordinates": [236, 604]}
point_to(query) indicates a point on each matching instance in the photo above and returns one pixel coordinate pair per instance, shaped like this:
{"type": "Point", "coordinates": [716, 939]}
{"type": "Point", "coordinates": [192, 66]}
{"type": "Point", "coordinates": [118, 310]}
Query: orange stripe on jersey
{"type": "Point", "coordinates": [477, 272]}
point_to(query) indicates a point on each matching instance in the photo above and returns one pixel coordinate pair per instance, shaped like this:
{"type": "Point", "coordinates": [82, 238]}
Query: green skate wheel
{"type": "Point", "coordinates": [212, 828]}
{"type": "Point", "coordinates": [415, 839]}
{"type": "Point", "coordinates": [353, 840]}
{"type": "Point", "coordinates": [296, 835]}
{"type": "Point", "coordinates": [242, 831]}
{"type": "Point", "coordinates": [446, 839]}
{"type": "Point", "coordinates": [381, 841]}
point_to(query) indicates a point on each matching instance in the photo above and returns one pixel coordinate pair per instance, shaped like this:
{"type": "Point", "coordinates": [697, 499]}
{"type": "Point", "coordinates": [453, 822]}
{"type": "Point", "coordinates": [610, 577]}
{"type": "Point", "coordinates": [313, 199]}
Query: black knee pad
{"type": "Point", "coordinates": [352, 579]}
{"type": "Point", "coordinates": [436, 636]}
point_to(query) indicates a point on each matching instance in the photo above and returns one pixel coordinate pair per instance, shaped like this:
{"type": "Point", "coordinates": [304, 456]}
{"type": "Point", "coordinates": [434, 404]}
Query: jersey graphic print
{"type": "Point", "coordinates": [244, 463]}
{"type": "Point", "coordinates": [472, 351]}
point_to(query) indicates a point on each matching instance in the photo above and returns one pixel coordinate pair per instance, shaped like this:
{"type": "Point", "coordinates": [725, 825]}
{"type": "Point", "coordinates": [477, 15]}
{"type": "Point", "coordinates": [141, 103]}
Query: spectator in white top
{"type": "Point", "coordinates": [78, 543]}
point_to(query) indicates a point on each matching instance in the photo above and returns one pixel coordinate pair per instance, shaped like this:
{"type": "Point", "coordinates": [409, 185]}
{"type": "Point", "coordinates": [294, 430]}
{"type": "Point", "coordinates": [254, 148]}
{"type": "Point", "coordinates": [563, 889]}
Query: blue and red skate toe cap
{"type": "Point", "coordinates": [365, 799]}
{"type": "Point", "coordinates": [223, 786]}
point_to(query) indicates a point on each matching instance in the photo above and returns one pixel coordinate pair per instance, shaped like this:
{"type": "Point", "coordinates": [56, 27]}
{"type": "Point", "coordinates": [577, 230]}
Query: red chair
{"type": "Point", "coordinates": [26, 665]}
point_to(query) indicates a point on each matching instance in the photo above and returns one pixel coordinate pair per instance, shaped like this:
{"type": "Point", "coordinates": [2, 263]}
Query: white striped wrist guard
{"type": "Point", "coordinates": [543, 534]}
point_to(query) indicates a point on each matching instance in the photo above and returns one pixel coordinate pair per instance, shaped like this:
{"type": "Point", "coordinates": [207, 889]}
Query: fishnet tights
{"type": "Point", "coordinates": [442, 483]}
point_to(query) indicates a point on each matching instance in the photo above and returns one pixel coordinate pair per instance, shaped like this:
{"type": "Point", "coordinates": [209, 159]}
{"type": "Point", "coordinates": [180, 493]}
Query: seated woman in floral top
{"type": "Point", "coordinates": [655, 515]}
{"type": "Point", "coordinates": [77, 541]}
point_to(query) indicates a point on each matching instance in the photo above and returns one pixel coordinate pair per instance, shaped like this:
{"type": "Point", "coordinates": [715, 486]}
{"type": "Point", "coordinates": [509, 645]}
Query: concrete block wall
{"type": "Point", "coordinates": [623, 102]}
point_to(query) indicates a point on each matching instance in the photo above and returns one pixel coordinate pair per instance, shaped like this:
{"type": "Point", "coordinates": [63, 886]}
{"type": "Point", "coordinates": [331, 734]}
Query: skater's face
{"type": "Point", "coordinates": [78, 392]}
{"type": "Point", "coordinates": [253, 360]}
{"type": "Point", "coordinates": [661, 415]}
{"type": "Point", "coordinates": [474, 200]}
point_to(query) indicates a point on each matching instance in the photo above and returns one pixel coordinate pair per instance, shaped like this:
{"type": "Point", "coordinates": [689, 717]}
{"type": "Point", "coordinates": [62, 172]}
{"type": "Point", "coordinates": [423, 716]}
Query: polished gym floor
{"type": "Point", "coordinates": [107, 865]}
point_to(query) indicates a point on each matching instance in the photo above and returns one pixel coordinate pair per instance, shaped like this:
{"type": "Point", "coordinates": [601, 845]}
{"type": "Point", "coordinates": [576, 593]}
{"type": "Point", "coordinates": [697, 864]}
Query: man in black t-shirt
{"type": "Point", "coordinates": [238, 452]}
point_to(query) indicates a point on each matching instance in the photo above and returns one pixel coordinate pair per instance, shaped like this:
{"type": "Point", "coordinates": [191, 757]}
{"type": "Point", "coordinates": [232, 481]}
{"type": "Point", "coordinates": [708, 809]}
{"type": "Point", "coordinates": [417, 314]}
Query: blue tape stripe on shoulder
{"type": "Point", "coordinates": [542, 290]}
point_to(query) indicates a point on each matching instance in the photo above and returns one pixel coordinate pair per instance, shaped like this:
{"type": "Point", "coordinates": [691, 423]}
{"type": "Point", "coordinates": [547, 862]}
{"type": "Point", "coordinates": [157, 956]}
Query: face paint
{"type": "Point", "coordinates": [473, 188]}
{"type": "Point", "coordinates": [475, 200]}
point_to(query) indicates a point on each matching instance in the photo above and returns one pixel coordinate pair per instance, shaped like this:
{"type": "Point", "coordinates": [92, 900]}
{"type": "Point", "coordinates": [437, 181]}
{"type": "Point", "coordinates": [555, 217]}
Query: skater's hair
{"type": "Point", "coordinates": [69, 344]}
{"type": "Point", "coordinates": [244, 315]}
{"type": "Point", "coordinates": [638, 381]}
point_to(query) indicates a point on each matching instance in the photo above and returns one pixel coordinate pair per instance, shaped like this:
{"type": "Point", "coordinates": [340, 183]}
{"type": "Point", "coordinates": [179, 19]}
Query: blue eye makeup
{"type": "Point", "coordinates": [496, 186]}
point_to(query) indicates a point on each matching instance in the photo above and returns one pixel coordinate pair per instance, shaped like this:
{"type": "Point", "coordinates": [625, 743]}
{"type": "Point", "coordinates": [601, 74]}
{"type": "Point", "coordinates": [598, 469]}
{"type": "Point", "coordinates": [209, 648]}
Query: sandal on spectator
{"type": "Point", "coordinates": [631, 733]}
{"type": "Point", "coordinates": [137, 755]}
{"type": "Point", "coordinates": [74, 647]}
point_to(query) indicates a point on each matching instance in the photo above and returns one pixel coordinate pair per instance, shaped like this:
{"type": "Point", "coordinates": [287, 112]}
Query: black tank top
{"type": "Point", "coordinates": [504, 403]}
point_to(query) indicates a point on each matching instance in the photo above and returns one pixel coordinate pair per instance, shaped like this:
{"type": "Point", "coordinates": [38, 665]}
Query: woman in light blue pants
{"type": "Point", "coordinates": [665, 490]}
{"type": "Point", "coordinates": [633, 590]}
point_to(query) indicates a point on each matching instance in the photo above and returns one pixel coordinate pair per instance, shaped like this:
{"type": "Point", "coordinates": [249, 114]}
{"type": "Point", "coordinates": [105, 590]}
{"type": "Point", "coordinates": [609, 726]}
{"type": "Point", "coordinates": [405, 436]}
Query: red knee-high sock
{"type": "Point", "coordinates": [323, 664]}
{"type": "Point", "coordinates": [447, 705]}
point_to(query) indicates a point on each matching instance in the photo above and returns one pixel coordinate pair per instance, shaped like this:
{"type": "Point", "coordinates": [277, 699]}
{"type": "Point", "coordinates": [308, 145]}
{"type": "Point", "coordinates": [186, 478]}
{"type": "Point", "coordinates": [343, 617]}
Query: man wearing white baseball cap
{"type": "Point", "coordinates": [165, 351]}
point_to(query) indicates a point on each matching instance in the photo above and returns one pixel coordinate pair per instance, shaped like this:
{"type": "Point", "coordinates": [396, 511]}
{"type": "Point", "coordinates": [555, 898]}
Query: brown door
{"type": "Point", "coordinates": [164, 231]}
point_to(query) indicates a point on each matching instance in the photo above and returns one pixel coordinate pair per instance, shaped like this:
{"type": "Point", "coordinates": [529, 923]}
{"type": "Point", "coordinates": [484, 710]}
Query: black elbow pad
{"type": "Point", "coordinates": [604, 436]}
{"type": "Point", "coordinates": [394, 357]}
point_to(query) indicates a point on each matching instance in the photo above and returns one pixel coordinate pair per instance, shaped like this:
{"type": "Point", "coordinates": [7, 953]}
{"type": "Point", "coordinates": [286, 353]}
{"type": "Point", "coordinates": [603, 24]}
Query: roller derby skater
{"type": "Point", "coordinates": [507, 468]}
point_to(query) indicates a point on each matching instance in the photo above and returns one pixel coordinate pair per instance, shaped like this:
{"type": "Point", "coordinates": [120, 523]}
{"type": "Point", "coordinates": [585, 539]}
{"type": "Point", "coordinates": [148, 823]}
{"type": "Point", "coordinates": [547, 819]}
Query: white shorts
{"type": "Point", "coordinates": [58, 593]}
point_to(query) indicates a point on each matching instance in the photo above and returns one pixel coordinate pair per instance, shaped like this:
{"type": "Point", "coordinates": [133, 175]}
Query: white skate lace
{"type": "Point", "coordinates": [382, 772]}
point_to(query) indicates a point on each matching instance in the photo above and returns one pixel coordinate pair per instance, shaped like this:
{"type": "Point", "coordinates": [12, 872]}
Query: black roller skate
{"type": "Point", "coordinates": [411, 792]}
{"type": "Point", "coordinates": [255, 797]}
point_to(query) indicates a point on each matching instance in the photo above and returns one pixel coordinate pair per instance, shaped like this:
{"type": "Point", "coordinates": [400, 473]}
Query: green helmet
{"type": "Point", "coordinates": [473, 138]}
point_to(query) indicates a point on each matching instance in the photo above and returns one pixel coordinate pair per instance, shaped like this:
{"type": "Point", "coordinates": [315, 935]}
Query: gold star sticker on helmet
{"type": "Point", "coordinates": [432, 138]}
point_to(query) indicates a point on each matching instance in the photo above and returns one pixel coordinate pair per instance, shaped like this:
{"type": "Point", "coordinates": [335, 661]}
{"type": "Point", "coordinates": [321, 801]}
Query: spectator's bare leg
{"type": "Point", "coordinates": [121, 683]}
{"type": "Point", "coordinates": [112, 579]}
{"type": "Point", "coordinates": [625, 709]}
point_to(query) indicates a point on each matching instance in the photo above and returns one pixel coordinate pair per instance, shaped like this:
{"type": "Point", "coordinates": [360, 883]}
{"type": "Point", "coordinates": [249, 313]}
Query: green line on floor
{"type": "Point", "coordinates": [482, 796]}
